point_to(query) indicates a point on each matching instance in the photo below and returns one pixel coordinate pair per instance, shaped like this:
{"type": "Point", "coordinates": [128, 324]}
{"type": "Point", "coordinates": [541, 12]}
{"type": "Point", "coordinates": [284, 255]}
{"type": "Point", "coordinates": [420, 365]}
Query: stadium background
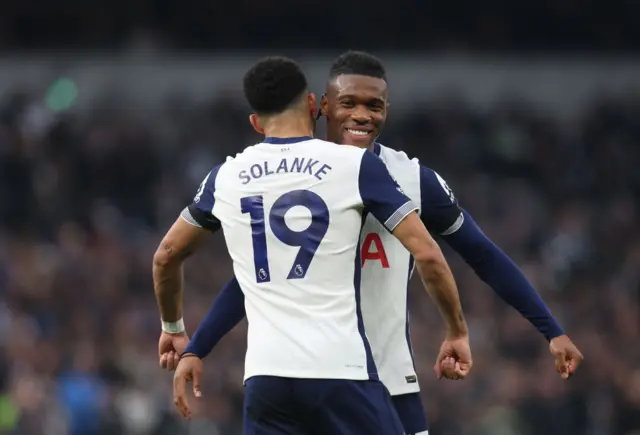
{"type": "Point", "coordinates": [112, 112]}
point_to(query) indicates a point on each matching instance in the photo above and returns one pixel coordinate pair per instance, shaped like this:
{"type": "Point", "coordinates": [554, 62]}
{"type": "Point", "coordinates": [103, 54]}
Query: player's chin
{"type": "Point", "coordinates": [358, 139]}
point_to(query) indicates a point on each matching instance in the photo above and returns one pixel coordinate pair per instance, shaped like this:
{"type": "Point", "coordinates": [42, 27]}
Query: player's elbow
{"type": "Point", "coordinates": [165, 256]}
{"type": "Point", "coordinates": [429, 256]}
{"type": "Point", "coordinates": [431, 265]}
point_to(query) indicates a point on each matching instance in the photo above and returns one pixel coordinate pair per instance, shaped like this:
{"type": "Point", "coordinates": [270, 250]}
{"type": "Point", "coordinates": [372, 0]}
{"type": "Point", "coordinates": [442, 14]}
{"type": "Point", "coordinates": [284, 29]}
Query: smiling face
{"type": "Point", "coordinates": [356, 109]}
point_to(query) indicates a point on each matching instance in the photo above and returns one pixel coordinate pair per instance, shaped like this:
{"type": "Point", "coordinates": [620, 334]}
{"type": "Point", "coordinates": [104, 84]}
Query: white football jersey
{"type": "Point", "coordinates": [291, 211]}
{"type": "Point", "coordinates": [387, 268]}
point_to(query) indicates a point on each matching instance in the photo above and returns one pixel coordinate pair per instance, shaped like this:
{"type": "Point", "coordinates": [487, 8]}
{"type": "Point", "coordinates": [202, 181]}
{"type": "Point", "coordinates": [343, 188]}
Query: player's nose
{"type": "Point", "coordinates": [361, 116]}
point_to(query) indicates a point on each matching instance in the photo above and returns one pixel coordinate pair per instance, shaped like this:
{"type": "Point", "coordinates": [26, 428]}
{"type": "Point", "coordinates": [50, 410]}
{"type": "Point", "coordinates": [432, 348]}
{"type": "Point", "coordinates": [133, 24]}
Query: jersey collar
{"type": "Point", "coordinates": [285, 140]}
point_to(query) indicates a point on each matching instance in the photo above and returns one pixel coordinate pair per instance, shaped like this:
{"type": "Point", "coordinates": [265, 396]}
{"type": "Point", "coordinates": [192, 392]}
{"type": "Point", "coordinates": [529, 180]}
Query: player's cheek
{"type": "Point", "coordinates": [341, 116]}
{"type": "Point", "coordinates": [379, 120]}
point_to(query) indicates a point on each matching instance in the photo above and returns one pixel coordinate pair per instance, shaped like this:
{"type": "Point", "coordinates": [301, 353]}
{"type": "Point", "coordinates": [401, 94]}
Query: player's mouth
{"type": "Point", "coordinates": [358, 135]}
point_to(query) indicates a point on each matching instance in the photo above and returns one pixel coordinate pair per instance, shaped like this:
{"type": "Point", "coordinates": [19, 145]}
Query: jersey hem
{"type": "Point", "coordinates": [312, 375]}
{"type": "Point", "coordinates": [403, 389]}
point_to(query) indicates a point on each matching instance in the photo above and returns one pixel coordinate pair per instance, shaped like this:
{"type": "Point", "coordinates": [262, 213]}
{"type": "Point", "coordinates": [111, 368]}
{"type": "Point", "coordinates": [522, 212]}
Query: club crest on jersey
{"type": "Point", "coordinates": [262, 274]}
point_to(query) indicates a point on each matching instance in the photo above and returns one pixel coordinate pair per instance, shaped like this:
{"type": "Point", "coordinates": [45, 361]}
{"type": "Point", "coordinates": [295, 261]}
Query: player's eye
{"type": "Point", "coordinates": [347, 104]}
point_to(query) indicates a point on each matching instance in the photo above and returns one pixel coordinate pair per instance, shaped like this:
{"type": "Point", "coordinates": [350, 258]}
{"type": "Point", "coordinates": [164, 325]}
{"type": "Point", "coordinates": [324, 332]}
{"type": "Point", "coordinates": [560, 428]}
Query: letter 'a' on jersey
{"type": "Point", "coordinates": [387, 268]}
{"type": "Point", "coordinates": [292, 211]}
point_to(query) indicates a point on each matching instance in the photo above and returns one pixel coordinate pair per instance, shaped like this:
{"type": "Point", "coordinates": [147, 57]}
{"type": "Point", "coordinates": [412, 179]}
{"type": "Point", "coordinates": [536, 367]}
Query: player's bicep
{"type": "Point", "coordinates": [440, 211]}
{"type": "Point", "coordinates": [412, 233]}
{"type": "Point", "coordinates": [381, 194]}
{"type": "Point", "coordinates": [181, 240]}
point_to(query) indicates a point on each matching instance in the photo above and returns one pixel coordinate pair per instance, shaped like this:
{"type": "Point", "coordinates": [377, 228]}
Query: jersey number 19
{"type": "Point", "coordinates": [307, 240]}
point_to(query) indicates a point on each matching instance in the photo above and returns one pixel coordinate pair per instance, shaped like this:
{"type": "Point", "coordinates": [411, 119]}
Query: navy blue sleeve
{"type": "Point", "coordinates": [200, 211]}
{"type": "Point", "coordinates": [439, 208]}
{"type": "Point", "coordinates": [381, 194]}
{"type": "Point", "coordinates": [496, 269]}
{"type": "Point", "coordinates": [226, 312]}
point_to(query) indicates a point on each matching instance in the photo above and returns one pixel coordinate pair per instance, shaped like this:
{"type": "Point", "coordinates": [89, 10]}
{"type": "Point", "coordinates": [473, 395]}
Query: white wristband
{"type": "Point", "coordinates": [173, 327]}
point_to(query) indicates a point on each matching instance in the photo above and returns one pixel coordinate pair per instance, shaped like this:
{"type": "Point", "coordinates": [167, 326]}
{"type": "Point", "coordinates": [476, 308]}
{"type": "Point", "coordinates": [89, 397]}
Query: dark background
{"type": "Point", "coordinates": [527, 25]}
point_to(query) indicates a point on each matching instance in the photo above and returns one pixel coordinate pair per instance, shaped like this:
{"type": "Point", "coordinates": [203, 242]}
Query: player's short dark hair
{"type": "Point", "coordinates": [357, 63]}
{"type": "Point", "coordinates": [273, 84]}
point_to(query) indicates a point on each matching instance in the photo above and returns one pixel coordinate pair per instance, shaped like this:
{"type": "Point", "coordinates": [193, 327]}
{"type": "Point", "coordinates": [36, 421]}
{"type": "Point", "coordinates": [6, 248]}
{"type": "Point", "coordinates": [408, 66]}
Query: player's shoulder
{"type": "Point", "coordinates": [343, 157]}
{"type": "Point", "coordinates": [391, 155]}
{"type": "Point", "coordinates": [332, 147]}
{"type": "Point", "coordinates": [430, 179]}
{"type": "Point", "coordinates": [247, 153]}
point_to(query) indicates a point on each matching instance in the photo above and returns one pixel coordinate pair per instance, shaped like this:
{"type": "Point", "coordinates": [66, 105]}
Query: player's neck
{"type": "Point", "coordinates": [288, 127]}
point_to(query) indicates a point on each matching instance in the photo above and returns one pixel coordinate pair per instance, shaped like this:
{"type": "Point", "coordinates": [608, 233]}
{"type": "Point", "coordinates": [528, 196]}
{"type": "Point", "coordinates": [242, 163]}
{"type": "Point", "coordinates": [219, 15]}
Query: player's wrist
{"type": "Point", "coordinates": [457, 334]}
{"type": "Point", "coordinates": [189, 355]}
{"type": "Point", "coordinates": [176, 327]}
{"type": "Point", "coordinates": [552, 331]}
{"type": "Point", "coordinates": [457, 329]}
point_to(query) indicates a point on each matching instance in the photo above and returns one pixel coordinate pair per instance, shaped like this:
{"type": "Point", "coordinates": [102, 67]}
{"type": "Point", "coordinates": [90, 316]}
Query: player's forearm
{"type": "Point", "coordinates": [178, 244]}
{"type": "Point", "coordinates": [441, 287]}
{"type": "Point", "coordinates": [167, 283]}
{"type": "Point", "coordinates": [434, 271]}
{"type": "Point", "coordinates": [495, 268]}
{"type": "Point", "coordinates": [225, 313]}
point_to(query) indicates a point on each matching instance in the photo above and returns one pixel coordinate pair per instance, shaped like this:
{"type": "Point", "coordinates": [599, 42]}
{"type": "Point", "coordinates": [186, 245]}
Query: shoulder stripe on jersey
{"type": "Point", "coordinates": [399, 215]}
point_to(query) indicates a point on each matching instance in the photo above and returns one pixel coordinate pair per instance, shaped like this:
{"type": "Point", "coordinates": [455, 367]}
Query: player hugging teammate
{"type": "Point", "coordinates": [311, 285]}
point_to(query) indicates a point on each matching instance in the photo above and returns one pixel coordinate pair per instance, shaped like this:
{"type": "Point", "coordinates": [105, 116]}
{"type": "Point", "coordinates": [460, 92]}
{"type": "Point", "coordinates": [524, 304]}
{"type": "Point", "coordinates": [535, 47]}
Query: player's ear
{"type": "Point", "coordinates": [313, 105]}
{"type": "Point", "coordinates": [255, 123]}
{"type": "Point", "coordinates": [324, 105]}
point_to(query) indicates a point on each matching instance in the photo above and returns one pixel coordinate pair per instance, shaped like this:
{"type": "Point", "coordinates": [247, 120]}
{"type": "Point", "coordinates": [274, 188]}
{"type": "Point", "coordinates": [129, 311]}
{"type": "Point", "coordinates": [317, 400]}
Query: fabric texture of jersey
{"type": "Point", "coordinates": [291, 211]}
{"type": "Point", "coordinates": [387, 268]}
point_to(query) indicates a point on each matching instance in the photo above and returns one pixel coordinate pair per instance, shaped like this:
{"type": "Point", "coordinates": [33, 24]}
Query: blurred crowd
{"type": "Point", "coordinates": [85, 198]}
{"type": "Point", "coordinates": [527, 25]}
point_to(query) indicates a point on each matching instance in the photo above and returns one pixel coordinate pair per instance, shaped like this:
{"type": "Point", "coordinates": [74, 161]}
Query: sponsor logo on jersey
{"type": "Point", "coordinates": [411, 379]}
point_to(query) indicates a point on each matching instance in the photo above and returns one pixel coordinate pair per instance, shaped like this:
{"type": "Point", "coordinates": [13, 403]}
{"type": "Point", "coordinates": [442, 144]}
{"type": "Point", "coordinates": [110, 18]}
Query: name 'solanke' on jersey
{"type": "Point", "coordinates": [302, 165]}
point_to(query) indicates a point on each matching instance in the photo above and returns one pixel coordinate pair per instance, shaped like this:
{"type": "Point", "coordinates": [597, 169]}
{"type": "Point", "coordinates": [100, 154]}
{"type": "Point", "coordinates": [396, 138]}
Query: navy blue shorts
{"type": "Point", "coordinates": [411, 413]}
{"type": "Point", "coordinates": [285, 406]}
